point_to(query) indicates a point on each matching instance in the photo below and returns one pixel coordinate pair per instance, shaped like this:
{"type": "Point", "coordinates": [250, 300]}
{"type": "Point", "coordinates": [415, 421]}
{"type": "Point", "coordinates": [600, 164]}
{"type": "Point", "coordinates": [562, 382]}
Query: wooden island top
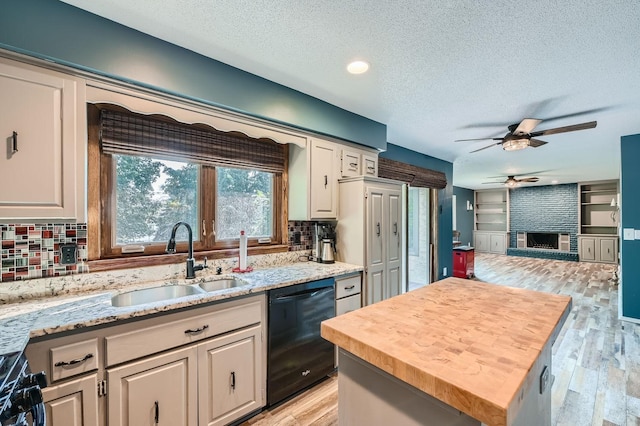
{"type": "Point", "coordinates": [470, 344]}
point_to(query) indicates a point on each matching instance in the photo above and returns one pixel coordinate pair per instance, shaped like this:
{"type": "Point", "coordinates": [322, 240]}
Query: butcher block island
{"type": "Point", "coordinates": [456, 352]}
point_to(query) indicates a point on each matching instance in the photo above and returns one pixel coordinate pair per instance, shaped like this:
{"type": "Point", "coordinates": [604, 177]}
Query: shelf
{"type": "Point", "coordinates": [597, 204]}
{"type": "Point", "coordinates": [490, 223]}
{"type": "Point", "coordinates": [599, 191]}
{"type": "Point", "coordinates": [599, 226]}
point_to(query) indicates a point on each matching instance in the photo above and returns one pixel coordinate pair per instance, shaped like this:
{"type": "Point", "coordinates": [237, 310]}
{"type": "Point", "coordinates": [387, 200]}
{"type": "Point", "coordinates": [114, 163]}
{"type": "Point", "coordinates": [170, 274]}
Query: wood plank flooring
{"type": "Point", "coordinates": [596, 358]}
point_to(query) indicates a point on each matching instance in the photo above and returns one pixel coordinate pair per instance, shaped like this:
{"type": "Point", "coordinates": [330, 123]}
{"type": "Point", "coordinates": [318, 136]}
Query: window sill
{"type": "Point", "coordinates": [138, 261]}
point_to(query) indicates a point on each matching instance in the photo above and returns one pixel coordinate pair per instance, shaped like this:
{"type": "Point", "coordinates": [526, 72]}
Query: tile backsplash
{"type": "Point", "coordinates": [33, 250]}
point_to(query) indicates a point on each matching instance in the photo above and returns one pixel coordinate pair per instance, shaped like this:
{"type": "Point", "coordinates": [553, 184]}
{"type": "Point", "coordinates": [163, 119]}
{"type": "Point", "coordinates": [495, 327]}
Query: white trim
{"type": "Point", "coordinates": [146, 103]}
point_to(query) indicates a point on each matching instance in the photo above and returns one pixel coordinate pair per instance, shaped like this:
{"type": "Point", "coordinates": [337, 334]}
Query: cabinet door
{"type": "Point", "coordinates": [497, 242]}
{"type": "Point", "coordinates": [482, 243]}
{"type": "Point", "coordinates": [230, 377]}
{"type": "Point", "coordinates": [72, 404]}
{"type": "Point", "coordinates": [156, 391]}
{"type": "Point", "coordinates": [394, 244]}
{"type": "Point", "coordinates": [350, 163]}
{"type": "Point", "coordinates": [375, 227]}
{"type": "Point", "coordinates": [369, 165]}
{"type": "Point", "coordinates": [588, 249]}
{"type": "Point", "coordinates": [375, 284]}
{"type": "Point", "coordinates": [607, 250]}
{"type": "Point", "coordinates": [38, 173]}
{"type": "Point", "coordinates": [323, 191]}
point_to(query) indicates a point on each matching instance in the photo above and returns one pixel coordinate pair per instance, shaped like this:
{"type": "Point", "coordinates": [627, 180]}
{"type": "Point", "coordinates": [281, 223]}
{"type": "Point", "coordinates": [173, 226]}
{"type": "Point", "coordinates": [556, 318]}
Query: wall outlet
{"type": "Point", "coordinates": [68, 254]}
{"type": "Point", "coordinates": [444, 271]}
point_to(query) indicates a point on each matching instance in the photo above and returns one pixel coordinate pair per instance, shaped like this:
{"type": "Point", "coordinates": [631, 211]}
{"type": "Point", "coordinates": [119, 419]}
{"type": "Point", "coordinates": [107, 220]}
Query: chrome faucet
{"type": "Point", "coordinates": [171, 248]}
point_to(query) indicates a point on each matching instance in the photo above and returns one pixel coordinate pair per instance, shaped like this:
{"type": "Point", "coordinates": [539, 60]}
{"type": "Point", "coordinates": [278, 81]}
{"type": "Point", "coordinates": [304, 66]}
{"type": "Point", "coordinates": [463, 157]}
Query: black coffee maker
{"type": "Point", "coordinates": [325, 242]}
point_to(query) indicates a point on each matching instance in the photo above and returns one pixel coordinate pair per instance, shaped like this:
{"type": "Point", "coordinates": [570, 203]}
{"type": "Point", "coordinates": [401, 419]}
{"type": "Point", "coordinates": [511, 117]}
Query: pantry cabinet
{"type": "Point", "coordinates": [370, 234]}
{"type": "Point", "coordinates": [491, 221]}
{"type": "Point", "coordinates": [42, 122]}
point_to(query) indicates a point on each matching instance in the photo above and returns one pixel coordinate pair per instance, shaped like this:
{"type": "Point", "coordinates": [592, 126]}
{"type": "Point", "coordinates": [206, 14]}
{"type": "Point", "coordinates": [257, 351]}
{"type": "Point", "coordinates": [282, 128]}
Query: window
{"type": "Point", "coordinates": [154, 172]}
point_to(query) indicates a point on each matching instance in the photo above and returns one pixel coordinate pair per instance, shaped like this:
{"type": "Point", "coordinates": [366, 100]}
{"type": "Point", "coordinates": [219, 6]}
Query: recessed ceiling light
{"type": "Point", "coordinates": [358, 67]}
{"type": "Point", "coordinates": [554, 182]}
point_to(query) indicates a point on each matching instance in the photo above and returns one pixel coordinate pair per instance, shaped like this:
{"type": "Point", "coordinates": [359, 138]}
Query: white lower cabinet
{"type": "Point", "coordinates": [229, 372]}
{"type": "Point", "coordinates": [205, 366]}
{"type": "Point", "coordinates": [490, 242]}
{"type": "Point", "coordinates": [598, 248]}
{"type": "Point", "coordinates": [156, 391]}
{"type": "Point", "coordinates": [74, 403]}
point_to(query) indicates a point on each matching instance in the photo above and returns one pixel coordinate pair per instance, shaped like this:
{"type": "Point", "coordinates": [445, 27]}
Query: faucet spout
{"type": "Point", "coordinates": [171, 248]}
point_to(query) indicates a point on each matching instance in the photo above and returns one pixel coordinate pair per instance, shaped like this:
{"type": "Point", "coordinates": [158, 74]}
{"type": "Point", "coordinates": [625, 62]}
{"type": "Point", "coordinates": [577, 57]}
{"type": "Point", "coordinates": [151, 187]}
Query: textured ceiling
{"type": "Point", "coordinates": [440, 70]}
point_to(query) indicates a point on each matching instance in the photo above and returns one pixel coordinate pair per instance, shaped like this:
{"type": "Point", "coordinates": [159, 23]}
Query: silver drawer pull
{"type": "Point", "coordinates": [196, 330]}
{"type": "Point", "coordinates": [351, 287]}
{"type": "Point", "coordinates": [73, 361]}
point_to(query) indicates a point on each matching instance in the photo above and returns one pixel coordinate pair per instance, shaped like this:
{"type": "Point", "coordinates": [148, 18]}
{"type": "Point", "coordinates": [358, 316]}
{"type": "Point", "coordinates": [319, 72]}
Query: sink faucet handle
{"type": "Point", "coordinates": [205, 262]}
{"type": "Point", "coordinates": [219, 270]}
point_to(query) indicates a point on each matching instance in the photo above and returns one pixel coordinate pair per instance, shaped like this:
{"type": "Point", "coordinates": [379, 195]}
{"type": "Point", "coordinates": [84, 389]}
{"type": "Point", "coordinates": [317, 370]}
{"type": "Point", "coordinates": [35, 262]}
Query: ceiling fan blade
{"type": "Point", "coordinates": [488, 146]}
{"type": "Point", "coordinates": [575, 114]}
{"type": "Point", "coordinates": [534, 143]}
{"type": "Point", "coordinates": [479, 139]}
{"type": "Point", "coordinates": [573, 128]}
{"type": "Point", "coordinates": [526, 126]}
{"type": "Point", "coordinates": [531, 179]}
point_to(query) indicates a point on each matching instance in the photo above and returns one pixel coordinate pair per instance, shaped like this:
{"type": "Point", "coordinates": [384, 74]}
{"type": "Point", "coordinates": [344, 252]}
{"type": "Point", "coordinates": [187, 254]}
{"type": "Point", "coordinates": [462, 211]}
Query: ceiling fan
{"type": "Point", "coordinates": [512, 182]}
{"type": "Point", "coordinates": [521, 135]}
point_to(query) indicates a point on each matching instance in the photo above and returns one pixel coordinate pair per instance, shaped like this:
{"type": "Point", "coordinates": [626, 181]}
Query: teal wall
{"type": "Point", "coordinates": [464, 218]}
{"type": "Point", "coordinates": [56, 31]}
{"type": "Point", "coordinates": [64, 34]}
{"type": "Point", "coordinates": [630, 216]}
{"type": "Point", "coordinates": [445, 219]}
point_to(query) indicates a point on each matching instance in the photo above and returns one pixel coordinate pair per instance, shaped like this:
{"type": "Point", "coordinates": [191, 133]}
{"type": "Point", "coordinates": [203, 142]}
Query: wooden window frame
{"type": "Point", "coordinates": [100, 218]}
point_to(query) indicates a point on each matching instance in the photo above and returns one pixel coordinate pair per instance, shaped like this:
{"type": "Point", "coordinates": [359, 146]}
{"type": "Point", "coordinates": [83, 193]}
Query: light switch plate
{"type": "Point", "coordinates": [68, 254]}
{"type": "Point", "coordinates": [628, 234]}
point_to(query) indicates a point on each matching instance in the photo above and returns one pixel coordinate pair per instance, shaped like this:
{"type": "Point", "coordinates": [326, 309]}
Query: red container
{"type": "Point", "coordinates": [463, 261]}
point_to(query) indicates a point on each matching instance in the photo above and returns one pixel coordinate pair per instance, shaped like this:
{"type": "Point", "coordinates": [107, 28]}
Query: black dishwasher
{"type": "Point", "coordinates": [298, 356]}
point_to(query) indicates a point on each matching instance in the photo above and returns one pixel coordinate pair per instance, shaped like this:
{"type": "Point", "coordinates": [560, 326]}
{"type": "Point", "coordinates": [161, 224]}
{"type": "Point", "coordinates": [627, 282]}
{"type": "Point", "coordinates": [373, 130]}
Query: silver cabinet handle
{"type": "Point", "coordinates": [73, 361]}
{"type": "Point", "coordinates": [233, 380]}
{"type": "Point", "coordinates": [196, 330]}
{"type": "Point", "coordinates": [326, 181]}
{"type": "Point", "coordinates": [371, 168]}
{"type": "Point", "coordinates": [395, 228]}
{"type": "Point", "coordinates": [351, 287]}
{"type": "Point", "coordinates": [378, 229]}
{"type": "Point", "coordinates": [156, 418]}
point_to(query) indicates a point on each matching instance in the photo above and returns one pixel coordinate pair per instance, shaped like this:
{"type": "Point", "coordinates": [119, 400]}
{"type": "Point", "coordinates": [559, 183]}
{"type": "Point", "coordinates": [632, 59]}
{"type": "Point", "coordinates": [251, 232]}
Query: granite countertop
{"type": "Point", "coordinates": [470, 344]}
{"type": "Point", "coordinates": [23, 320]}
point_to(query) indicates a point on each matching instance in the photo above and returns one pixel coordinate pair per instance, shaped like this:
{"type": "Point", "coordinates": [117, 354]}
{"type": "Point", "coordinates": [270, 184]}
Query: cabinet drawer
{"type": "Point", "coordinates": [348, 304]}
{"type": "Point", "coordinates": [348, 286]}
{"type": "Point", "coordinates": [74, 359]}
{"type": "Point", "coordinates": [149, 340]}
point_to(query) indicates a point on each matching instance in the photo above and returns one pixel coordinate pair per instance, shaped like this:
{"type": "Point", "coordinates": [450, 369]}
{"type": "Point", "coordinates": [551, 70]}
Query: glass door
{"type": "Point", "coordinates": [418, 247]}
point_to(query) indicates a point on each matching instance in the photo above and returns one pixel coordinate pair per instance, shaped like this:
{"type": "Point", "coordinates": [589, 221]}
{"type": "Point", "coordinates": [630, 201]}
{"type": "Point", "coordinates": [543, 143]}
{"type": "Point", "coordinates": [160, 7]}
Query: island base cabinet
{"type": "Point", "coordinates": [369, 396]}
{"type": "Point", "coordinates": [72, 404]}
{"type": "Point", "coordinates": [229, 377]}
{"type": "Point", "coordinates": [157, 391]}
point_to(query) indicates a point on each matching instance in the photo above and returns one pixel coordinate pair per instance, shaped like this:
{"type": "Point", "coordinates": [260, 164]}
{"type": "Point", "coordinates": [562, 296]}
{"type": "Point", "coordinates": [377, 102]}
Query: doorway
{"type": "Point", "coordinates": [418, 241]}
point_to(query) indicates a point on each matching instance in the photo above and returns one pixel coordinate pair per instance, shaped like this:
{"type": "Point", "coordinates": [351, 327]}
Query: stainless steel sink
{"type": "Point", "coordinates": [221, 284]}
{"type": "Point", "coordinates": [153, 294]}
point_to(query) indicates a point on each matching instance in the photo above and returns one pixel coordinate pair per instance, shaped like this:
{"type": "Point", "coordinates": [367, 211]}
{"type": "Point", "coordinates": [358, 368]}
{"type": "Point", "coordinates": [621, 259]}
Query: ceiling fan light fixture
{"type": "Point", "coordinates": [515, 144]}
{"type": "Point", "coordinates": [358, 67]}
{"type": "Point", "coordinates": [511, 183]}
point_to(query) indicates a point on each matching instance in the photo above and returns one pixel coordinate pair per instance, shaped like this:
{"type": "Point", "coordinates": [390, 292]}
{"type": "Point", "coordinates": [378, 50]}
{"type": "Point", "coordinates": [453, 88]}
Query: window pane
{"type": "Point", "coordinates": [244, 202]}
{"type": "Point", "coordinates": [151, 196]}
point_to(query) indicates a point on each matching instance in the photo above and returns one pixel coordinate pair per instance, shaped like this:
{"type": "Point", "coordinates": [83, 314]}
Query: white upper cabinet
{"type": "Point", "coordinates": [313, 181]}
{"type": "Point", "coordinates": [42, 132]}
{"type": "Point", "coordinates": [355, 162]}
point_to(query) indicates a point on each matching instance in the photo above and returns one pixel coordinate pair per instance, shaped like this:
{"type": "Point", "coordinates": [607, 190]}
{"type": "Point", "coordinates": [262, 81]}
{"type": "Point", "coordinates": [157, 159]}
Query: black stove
{"type": "Point", "coordinates": [20, 392]}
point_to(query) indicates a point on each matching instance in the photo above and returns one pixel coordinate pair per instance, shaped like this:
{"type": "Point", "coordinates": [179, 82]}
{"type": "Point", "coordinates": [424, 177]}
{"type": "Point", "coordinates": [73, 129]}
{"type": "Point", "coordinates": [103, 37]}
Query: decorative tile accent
{"type": "Point", "coordinates": [32, 250]}
{"type": "Point", "coordinates": [307, 235]}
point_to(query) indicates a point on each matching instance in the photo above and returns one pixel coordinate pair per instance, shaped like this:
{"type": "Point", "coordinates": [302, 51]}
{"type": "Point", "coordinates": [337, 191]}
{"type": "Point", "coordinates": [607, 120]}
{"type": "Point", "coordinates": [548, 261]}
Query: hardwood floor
{"type": "Point", "coordinates": [596, 358]}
